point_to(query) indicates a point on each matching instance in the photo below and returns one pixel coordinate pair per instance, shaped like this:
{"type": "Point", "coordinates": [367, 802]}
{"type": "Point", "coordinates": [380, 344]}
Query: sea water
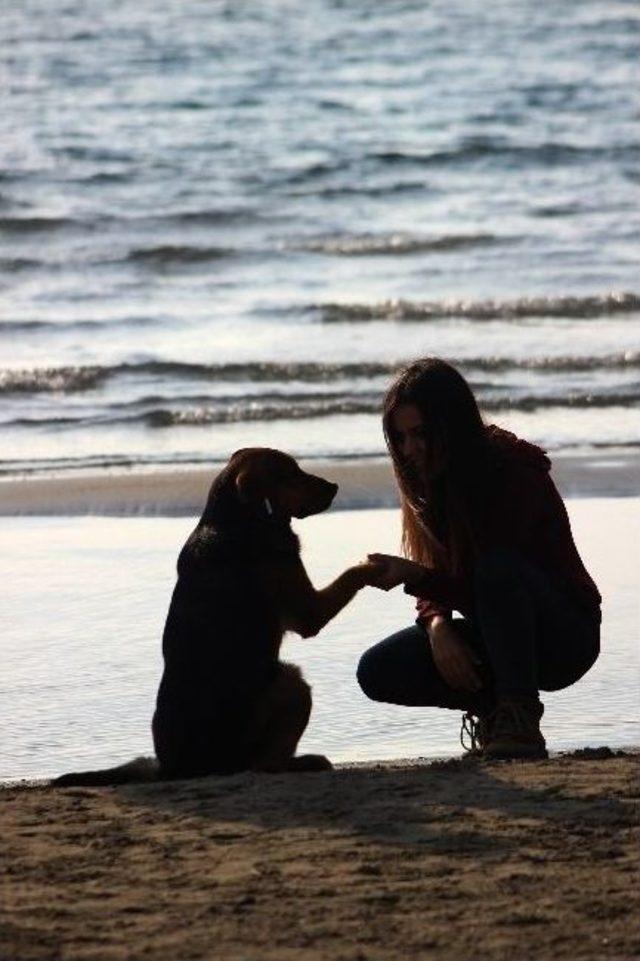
{"type": "Point", "coordinates": [80, 636]}
{"type": "Point", "coordinates": [228, 223]}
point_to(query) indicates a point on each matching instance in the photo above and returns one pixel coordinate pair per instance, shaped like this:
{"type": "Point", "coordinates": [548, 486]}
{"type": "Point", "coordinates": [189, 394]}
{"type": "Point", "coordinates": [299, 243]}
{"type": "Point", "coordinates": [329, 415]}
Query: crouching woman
{"type": "Point", "coordinates": [485, 533]}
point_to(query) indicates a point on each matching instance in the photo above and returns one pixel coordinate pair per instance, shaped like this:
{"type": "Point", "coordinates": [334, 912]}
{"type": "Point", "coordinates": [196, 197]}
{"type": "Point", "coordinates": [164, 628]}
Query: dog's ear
{"type": "Point", "coordinates": [249, 487]}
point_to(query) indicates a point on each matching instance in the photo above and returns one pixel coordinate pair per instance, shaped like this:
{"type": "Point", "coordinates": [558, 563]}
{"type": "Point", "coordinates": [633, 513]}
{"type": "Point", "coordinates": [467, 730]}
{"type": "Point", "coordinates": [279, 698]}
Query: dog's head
{"type": "Point", "coordinates": [272, 483]}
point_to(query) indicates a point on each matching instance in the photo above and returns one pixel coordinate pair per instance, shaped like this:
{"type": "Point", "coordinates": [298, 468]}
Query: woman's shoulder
{"type": "Point", "coordinates": [522, 496]}
{"type": "Point", "coordinates": [520, 475]}
{"type": "Point", "coordinates": [507, 450]}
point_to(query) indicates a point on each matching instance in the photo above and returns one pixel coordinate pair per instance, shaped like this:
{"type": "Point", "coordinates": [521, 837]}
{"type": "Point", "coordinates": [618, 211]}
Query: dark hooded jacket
{"type": "Point", "coordinates": [520, 510]}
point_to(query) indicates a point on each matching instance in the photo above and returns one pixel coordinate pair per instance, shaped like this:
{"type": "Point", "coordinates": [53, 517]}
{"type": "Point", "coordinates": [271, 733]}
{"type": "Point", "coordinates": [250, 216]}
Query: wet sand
{"type": "Point", "coordinates": [363, 483]}
{"type": "Point", "coordinates": [451, 860]}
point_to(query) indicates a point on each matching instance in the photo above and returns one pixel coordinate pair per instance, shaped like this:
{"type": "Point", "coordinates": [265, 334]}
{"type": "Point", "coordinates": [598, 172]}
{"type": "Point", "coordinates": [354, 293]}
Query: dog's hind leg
{"type": "Point", "coordinates": [309, 762]}
{"type": "Point", "coordinates": [280, 720]}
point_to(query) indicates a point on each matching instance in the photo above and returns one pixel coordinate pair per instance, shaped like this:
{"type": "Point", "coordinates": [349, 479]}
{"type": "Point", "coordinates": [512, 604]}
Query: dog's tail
{"type": "Point", "coordinates": [133, 772]}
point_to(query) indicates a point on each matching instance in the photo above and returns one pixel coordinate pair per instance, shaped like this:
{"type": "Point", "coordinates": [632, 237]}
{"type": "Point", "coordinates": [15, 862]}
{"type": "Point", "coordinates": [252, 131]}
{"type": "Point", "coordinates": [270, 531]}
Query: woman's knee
{"type": "Point", "coordinates": [559, 677]}
{"type": "Point", "coordinates": [397, 669]}
{"type": "Point", "coordinates": [370, 673]}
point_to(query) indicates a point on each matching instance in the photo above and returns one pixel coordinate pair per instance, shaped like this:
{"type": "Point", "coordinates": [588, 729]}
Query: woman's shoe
{"type": "Point", "coordinates": [515, 730]}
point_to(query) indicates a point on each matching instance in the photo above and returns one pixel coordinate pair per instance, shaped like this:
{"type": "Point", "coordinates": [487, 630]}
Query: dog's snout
{"type": "Point", "coordinates": [328, 492]}
{"type": "Point", "coordinates": [328, 488]}
{"type": "Point", "coordinates": [317, 495]}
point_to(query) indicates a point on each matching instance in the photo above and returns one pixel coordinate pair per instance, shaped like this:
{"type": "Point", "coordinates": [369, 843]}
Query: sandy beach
{"type": "Point", "coordinates": [446, 861]}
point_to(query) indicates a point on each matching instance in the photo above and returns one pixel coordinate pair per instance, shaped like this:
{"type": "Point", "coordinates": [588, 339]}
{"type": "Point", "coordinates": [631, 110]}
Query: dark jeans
{"type": "Point", "coordinates": [527, 634]}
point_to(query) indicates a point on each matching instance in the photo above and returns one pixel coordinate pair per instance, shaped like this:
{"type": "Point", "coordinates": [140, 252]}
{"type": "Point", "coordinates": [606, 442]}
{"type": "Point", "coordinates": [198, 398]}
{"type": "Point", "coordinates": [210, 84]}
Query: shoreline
{"type": "Point", "coordinates": [435, 761]}
{"type": "Point", "coordinates": [364, 483]}
{"type": "Point", "coordinates": [453, 859]}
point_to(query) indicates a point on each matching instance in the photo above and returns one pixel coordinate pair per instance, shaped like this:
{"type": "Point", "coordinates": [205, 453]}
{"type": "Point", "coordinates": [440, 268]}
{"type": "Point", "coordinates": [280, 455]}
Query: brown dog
{"type": "Point", "coordinates": [226, 702]}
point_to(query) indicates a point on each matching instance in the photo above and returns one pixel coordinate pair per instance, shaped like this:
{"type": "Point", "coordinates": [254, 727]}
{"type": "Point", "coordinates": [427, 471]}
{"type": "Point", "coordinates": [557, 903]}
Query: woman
{"type": "Point", "coordinates": [486, 534]}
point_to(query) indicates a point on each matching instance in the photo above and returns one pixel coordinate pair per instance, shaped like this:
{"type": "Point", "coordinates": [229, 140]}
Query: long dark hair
{"type": "Point", "coordinates": [437, 518]}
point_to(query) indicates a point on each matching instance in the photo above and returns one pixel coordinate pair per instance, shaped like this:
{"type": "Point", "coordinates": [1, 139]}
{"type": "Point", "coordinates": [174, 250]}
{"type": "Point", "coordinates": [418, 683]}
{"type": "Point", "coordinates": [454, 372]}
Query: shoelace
{"type": "Point", "coordinates": [471, 730]}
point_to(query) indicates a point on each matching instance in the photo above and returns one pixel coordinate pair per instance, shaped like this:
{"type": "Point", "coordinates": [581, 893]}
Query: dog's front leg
{"type": "Point", "coordinates": [304, 609]}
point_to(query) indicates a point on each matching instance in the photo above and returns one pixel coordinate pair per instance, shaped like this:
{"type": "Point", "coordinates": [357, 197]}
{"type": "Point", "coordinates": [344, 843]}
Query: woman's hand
{"type": "Point", "coordinates": [453, 658]}
{"type": "Point", "coordinates": [367, 573]}
{"type": "Point", "coordinates": [387, 571]}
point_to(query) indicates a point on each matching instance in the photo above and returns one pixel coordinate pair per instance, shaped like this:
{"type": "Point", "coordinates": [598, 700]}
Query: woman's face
{"type": "Point", "coordinates": [412, 441]}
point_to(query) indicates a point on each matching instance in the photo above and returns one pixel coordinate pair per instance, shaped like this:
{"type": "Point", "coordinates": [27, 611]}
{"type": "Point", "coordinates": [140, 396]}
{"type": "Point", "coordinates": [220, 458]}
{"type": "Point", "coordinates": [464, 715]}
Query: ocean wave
{"type": "Point", "coordinates": [557, 210]}
{"type": "Point", "coordinates": [285, 409]}
{"type": "Point", "coordinates": [468, 150]}
{"type": "Point", "coordinates": [84, 462]}
{"type": "Point", "coordinates": [42, 379]}
{"type": "Point", "coordinates": [40, 224]}
{"type": "Point", "coordinates": [482, 148]}
{"type": "Point", "coordinates": [357, 175]}
{"type": "Point", "coordinates": [319, 406]}
{"type": "Point", "coordinates": [24, 225]}
{"type": "Point", "coordinates": [199, 218]}
{"type": "Point", "coordinates": [54, 379]}
{"type": "Point", "coordinates": [162, 412]}
{"type": "Point", "coordinates": [51, 422]}
{"type": "Point", "coordinates": [160, 253]}
{"type": "Point", "coordinates": [205, 217]}
{"type": "Point", "coordinates": [619, 396]}
{"type": "Point", "coordinates": [407, 310]}
{"type": "Point", "coordinates": [103, 177]}
{"type": "Point", "coordinates": [396, 244]}
{"type": "Point", "coordinates": [11, 327]}
{"type": "Point", "coordinates": [364, 189]}
{"type": "Point", "coordinates": [221, 411]}
{"type": "Point", "coordinates": [94, 154]}
{"type": "Point", "coordinates": [166, 254]}
{"type": "Point", "coordinates": [15, 264]}
{"type": "Point", "coordinates": [78, 378]}
{"type": "Point", "coordinates": [173, 459]}
{"type": "Point", "coordinates": [315, 171]}
{"type": "Point", "coordinates": [623, 360]}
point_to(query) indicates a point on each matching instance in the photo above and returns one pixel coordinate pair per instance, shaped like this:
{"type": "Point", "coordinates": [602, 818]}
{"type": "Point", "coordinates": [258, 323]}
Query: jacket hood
{"type": "Point", "coordinates": [510, 447]}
